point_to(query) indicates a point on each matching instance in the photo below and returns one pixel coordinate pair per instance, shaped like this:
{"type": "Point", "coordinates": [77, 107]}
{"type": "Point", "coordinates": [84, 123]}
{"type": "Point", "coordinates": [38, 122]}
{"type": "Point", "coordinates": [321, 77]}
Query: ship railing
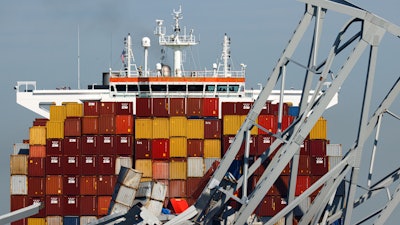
{"type": "Point", "coordinates": [181, 40]}
{"type": "Point", "coordinates": [194, 73]}
{"type": "Point", "coordinates": [25, 86]}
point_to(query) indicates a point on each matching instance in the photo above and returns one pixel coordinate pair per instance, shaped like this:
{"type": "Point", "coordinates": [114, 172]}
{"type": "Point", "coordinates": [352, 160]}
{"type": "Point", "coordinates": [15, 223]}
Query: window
{"type": "Point", "coordinates": [177, 88]}
{"type": "Point", "coordinates": [198, 88]}
{"type": "Point", "coordinates": [144, 87]}
{"type": "Point", "coordinates": [121, 88]}
{"type": "Point", "coordinates": [222, 88]}
{"type": "Point", "coordinates": [158, 88]}
{"type": "Point", "coordinates": [233, 88]}
{"type": "Point", "coordinates": [210, 88]}
{"type": "Point", "coordinates": [132, 88]}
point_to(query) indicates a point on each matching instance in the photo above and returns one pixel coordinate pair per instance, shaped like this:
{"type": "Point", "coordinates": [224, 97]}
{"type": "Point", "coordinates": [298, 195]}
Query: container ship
{"type": "Point", "coordinates": [170, 124]}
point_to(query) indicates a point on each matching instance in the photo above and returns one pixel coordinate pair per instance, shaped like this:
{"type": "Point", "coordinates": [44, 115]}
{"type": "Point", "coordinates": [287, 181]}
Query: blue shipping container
{"type": "Point", "coordinates": [71, 220]}
{"type": "Point", "coordinates": [294, 110]}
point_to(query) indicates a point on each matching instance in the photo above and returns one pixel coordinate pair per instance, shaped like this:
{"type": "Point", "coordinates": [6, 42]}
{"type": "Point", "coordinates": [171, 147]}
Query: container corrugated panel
{"type": "Point", "coordinates": [87, 219]}
{"type": "Point", "coordinates": [212, 148]}
{"type": "Point", "coordinates": [195, 148]}
{"type": "Point", "coordinates": [53, 205]}
{"type": "Point", "coordinates": [334, 150]}
{"type": "Point", "coordinates": [194, 107]}
{"type": "Point", "coordinates": [18, 202]}
{"type": "Point", "coordinates": [88, 205]}
{"type": "Point", "coordinates": [294, 110]}
{"type": "Point", "coordinates": [107, 108]}
{"type": "Point", "coordinates": [31, 200]}
{"type": "Point", "coordinates": [143, 107]}
{"type": "Point", "coordinates": [212, 128]}
{"type": "Point", "coordinates": [318, 147]}
{"type": "Point", "coordinates": [103, 202]}
{"type": "Point", "coordinates": [89, 144]}
{"type": "Point", "coordinates": [269, 122]}
{"type": "Point", "coordinates": [130, 177]}
{"type": "Point", "coordinates": [21, 148]}
{"type": "Point", "coordinates": [72, 145]}
{"type": "Point", "coordinates": [106, 144]}
{"type": "Point", "coordinates": [231, 124]}
{"type": "Point", "coordinates": [334, 160]}
{"type": "Point", "coordinates": [91, 108]}
{"type": "Point", "coordinates": [195, 167]}
{"type": "Point", "coordinates": [116, 207]}
{"type": "Point", "coordinates": [195, 128]}
{"type": "Point", "coordinates": [160, 149]}
{"type": "Point", "coordinates": [54, 146]}
{"type": "Point", "coordinates": [36, 221]}
{"type": "Point", "coordinates": [124, 124]}
{"type": "Point", "coordinates": [88, 164]}
{"type": "Point", "coordinates": [178, 147]}
{"type": "Point", "coordinates": [71, 220]}
{"type": "Point", "coordinates": [106, 164]}
{"type": "Point", "coordinates": [208, 162]}
{"type": "Point", "coordinates": [71, 185]}
{"type": "Point", "coordinates": [253, 131]}
{"type": "Point", "coordinates": [36, 166]}
{"type": "Point", "coordinates": [55, 129]}
{"type": "Point", "coordinates": [243, 108]}
{"type": "Point", "coordinates": [106, 184]}
{"type": "Point", "coordinates": [178, 169]}
{"type": "Point", "coordinates": [192, 184]}
{"type": "Point", "coordinates": [106, 124]}
{"type": "Point", "coordinates": [124, 144]}
{"type": "Point", "coordinates": [18, 165]}
{"type": "Point", "coordinates": [177, 189]}
{"type": "Point", "coordinates": [54, 185]}
{"type": "Point", "coordinates": [36, 186]}
{"type": "Point", "coordinates": [160, 128]}
{"type": "Point", "coordinates": [304, 165]}
{"type": "Point", "coordinates": [124, 195]}
{"type": "Point", "coordinates": [302, 184]}
{"type": "Point", "coordinates": [53, 165]}
{"type": "Point", "coordinates": [40, 121]}
{"type": "Point", "coordinates": [72, 127]}
{"type": "Point", "coordinates": [144, 190]}
{"type": "Point", "coordinates": [37, 151]}
{"type": "Point", "coordinates": [177, 126]}
{"type": "Point", "coordinates": [143, 149]}
{"type": "Point", "coordinates": [124, 108]}
{"type": "Point", "coordinates": [73, 109]}
{"type": "Point", "coordinates": [160, 107]}
{"type": "Point", "coordinates": [19, 185]}
{"type": "Point", "coordinates": [37, 135]}
{"type": "Point", "coordinates": [154, 206]}
{"type": "Point", "coordinates": [319, 129]}
{"type": "Point", "coordinates": [158, 191]}
{"type": "Point", "coordinates": [70, 165]}
{"type": "Point", "coordinates": [145, 166]}
{"type": "Point", "coordinates": [54, 220]}
{"type": "Point", "coordinates": [90, 125]}
{"type": "Point", "coordinates": [88, 185]}
{"type": "Point", "coordinates": [144, 128]}
{"type": "Point", "coordinates": [160, 169]}
{"type": "Point", "coordinates": [319, 165]}
{"type": "Point", "coordinates": [210, 107]}
{"type": "Point", "coordinates": [71, 207]}
{"type": "Point", "coordinates": [177, 107]}
{"type": "Point", "coordinates": [124, 161]}
{"type": "Point", "coordinates": [58, 113]}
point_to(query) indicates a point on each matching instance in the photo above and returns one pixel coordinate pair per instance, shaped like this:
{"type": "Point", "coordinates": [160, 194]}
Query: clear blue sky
{"type": "Point", "coordinates": [38, 41]}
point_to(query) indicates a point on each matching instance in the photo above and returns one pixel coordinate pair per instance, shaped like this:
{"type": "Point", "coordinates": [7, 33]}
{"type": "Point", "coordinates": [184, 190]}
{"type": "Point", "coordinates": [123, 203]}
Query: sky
{"type": "Point", "coordinates": [39, 42]}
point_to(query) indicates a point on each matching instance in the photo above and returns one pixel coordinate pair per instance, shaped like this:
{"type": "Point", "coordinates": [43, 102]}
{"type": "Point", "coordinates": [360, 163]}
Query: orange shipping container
{"type": "Point", "coordinates": [103, 202]}
{"type": "Point", "coordinates": [88, 185]}
{"type": "Point", "coordinates": [37, 151]}
{"type": "Point", "coordinates": [106, 124]}
{"type": "Point", "coordinates": [160, 170]}
{"type": "Point", "coordinates": [37, 135]}
{"type": "Point", "coordinates": [124, 124]}
{"type": "Point", "coordinates": [54, 184]}
{"type": "Point", "coordinates": [90, 125]}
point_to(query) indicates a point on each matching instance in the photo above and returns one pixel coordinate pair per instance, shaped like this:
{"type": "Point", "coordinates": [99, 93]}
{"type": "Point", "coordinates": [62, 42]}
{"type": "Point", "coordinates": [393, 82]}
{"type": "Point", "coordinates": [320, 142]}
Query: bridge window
{"type": "Point", "coordinates": [210, 88]}
{"type": "Point", "coordinates": [177, 88]}
{"type": "Point", "coordinates": [233, 88]}
{"type": "Point", "coordinates": [144, 87]}
{"type": "Point", "coordinates": [132, 88]}
{"type": "Point", "coordinates": [159, 88]}
{"type": "Point", "coordinates": [198, 88]}
{"type": "Point", "coordinates": [222, 88]}
{"type": "Point", "coordinates": [120, 87]}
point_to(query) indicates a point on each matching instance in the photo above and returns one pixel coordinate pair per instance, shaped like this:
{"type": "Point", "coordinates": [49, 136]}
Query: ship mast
{"type": "Point", "coordinates": [175, 41]}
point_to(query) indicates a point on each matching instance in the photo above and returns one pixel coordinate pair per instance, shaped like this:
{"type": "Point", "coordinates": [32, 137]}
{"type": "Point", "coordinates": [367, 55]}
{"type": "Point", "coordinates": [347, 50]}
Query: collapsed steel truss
{"type": "Point", "coordinates": [212, 202]}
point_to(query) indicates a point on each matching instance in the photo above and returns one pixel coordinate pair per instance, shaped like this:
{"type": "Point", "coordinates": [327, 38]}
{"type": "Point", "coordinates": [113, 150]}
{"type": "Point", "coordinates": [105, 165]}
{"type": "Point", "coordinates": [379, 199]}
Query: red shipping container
{"type": "Point", "coordinates": [212, 129]}
{"type": "Point", "coordinates": [124, 124]}
{"type": "Point", "coordinates": [36, 167]}
{"type": "Point", "coordinates": [177, 107]}
{"type": "Point", "coordinates": [243, 108]}
{"type": "Point", "coordinates": [266, 108]}
{"type": "Point", "coordinates": [319, 165]}
{"type": "Point", "coordinates": [71, 205]}
{"type": "Point", "coordinates": [53, 165]}
{"type": "Point", "coordinates": [143, 107]}
{"type": "Point", "coordinates": [195, 147]}
{"type": "Point", "coordinates": [192, 183]}
{"type": "Point", "coordinates": [160, 148]}
{"type": "Point", "coordinates": [305, 148]}
{"type": "Point", "coordinates": [286, 121]}
{"type": "Point", "coordinates": [20, 222]}
{"type": "Point", "coordinates": [318, 147]}
{"type": "Point", "coordinates": [194, 107]}
{"type": "Point", "coordinates": [270, 205]}
{"type": "Point", "coordinates": [72, 127]}
{"type": "Point", "coordinates": [274, 109]}
{"type": "Point", "coordinates": [40, 122]}
{"type": "Point", "coordinates": [36, 186]}
{"type": "Point", "coordinates": [302, 184]}
{"type": "Point", "coordinates": [89, 144]}
{"type": "Point", "coordinates": [228, 108]}
{"type": "Point", "coordinates": [210, 107]}
{"type": "Point", "coordinates": [88, 205]}
{"type": "Point", "coordinates": [160, 169]}
{"type": "Point", "coordinates": [88, 185]}
{"type": "Point", "coordinates": [90, 125]}
{"type": "Point", "coordinates": [107, 124]}
{"type": "Point", "coordinates": [177, 189]}
{"type": "Point", "coordinates": [106, 184]}
{"type": "Point", "coordinates": [106, 144]}
{"type": "Point", "coordinates": [106, 164]}
{"type": "Point", "coordinates": [72, 145]}
{"type": "Point", "coordinates": [160, 107]}
{"type": "Point", "coordinates": [304, 165]}
{"type": "Point", "coordinates": [124, 145]}
{"type": "Point", "coordinates": [269, 122]}
{"type": "Point", "coordinates": [228, 140]}
{"type": "Point", "coordinates": [124, 108]}
{"type": "Point", "coordinates": [42, 212]}
{"type": "Point", "coordinates": [91, 108]}
{"type": "Point", "coordinates": [107, 108]}
{"type": "Point", "coordinates": [103, 203]}
{"type": "Point", "coordinates": [143, 149]}
{"type": "Point", "coordinates": [71, 185]}
{"type": "Point", "coordinates": [54, 185]}
{"type": "Point", "coordinates": [263, 143]}
{"type": "Point", "coordinates": [280, 186]}
{"type": "Point", "coordinates": [18, 202]}
{"type": "Point", "coordinates": [88, 165]}
{"type": "Point", "coordinates": [54, 205]}
{"type": "Point", "coordinates": [70, 165]}
{"type": "Point", "coordinates": [37, 151]}
{"type": "Point", "coordinates": [54, 147]}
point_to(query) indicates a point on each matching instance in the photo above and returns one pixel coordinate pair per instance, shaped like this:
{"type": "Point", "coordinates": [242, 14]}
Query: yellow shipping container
{"type": "Point", "coordinates": [36, 221]}
{"type": "Point", "coordinates": [145, 166]}
{"type": "Point", "coordinates": [37, 135]}
{"type": "Point", "coordinates": [58, 113]}
{"type": "Point", "coordinates": [177, 126]}
{"type": "Point", "coordinates": [178, 147]}
{"type": "Point", "coordinates": [55, 129]}
{"type": "Point", "coordinates": [212, 148]}
{"type": "Point", "coordinates": [161, 128]}
{"type": "Point", "coordinates": [19, 164]}
{"type": "Point", "coordinates": [254, 130]}
{"type": "Point", "coordinates": [195, 129]}
{"type": "Point", "coordinates": [319, 130]}
{"type": "Point", "coordinates": [231, 124]}
{"type": "Point", "coordinates": [144, 128]}
{"type": "Point", "coordinates": [73, 109]}
{"type": "Point", "coordinates": [177, 169]}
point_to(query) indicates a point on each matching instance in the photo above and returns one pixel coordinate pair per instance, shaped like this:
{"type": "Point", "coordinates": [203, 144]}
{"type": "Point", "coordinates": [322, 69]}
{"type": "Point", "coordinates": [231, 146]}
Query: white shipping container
{"type": "Point", "coordinates": [143, 201]}
{"type": "Point", "coordinates": [334, 150]}
{"type": "Point", "coordinates": [125, 195]}
{"type": "Point", "coordinates": [195, 166]}
{"type": "Point", "coordinates": [118, 207]}
{"type": "Point", "coordinates": [333, 161]}
{"type": "Point", "coordinates": [154, 206]}
{"type": "Point", "coordinates": [130, 177]}
{"type": "Point", "coordinates": [144, 190]}
{"type": "Point", "coordinates": [122, 161]}
{"type": "Point", "coordinates": [209, 161]}
{"type": "Point", "coordinates": [19, 185]}
{"type": "Point", "coordinates": [54, 220]}
{"type": "Point", "coordinates": [159, 191]}
{"type": "Point", "coordinates": [87, 219]}
{"type": "Point", "coordinates": [19, 148]}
